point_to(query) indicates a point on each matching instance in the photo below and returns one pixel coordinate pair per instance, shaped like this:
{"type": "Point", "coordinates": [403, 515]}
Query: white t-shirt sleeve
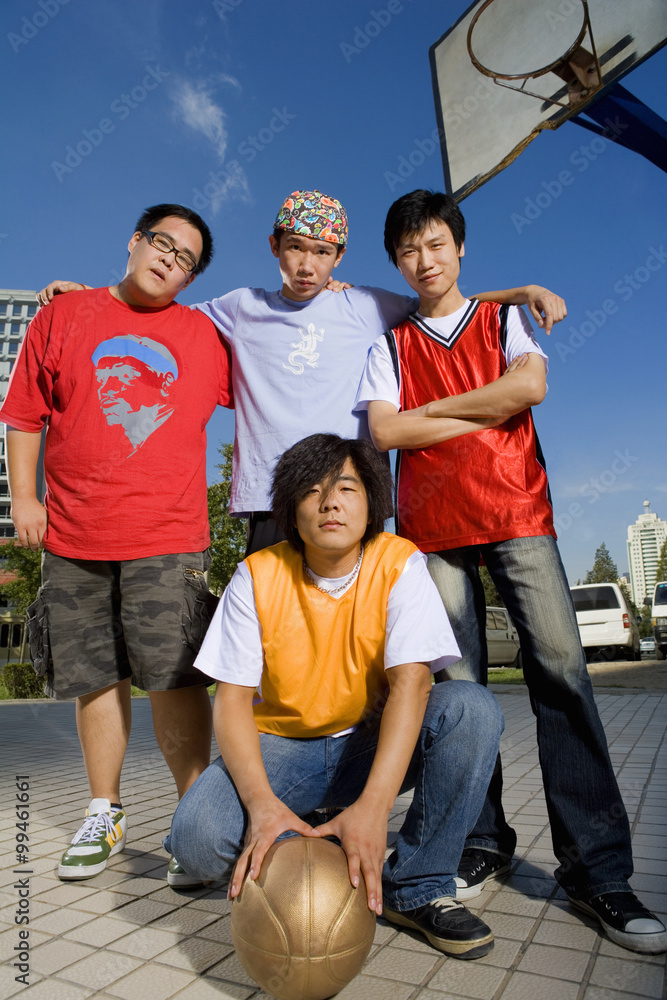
{"type": "Point", "coordinates": [520, 338]}
{"type": "Point", "coordinates": [232, 648]}
{"type": "Point", "coordinates": [418, 629]}
{"type": "Point", "coordinates": [379, 378]}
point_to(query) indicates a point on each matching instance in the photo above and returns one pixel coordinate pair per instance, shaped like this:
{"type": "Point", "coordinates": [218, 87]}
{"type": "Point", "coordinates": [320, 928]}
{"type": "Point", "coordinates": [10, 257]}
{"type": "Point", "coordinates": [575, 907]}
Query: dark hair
{"type": "Point", "coordinates": [320, 459]}
{"type": "Point", "coordinates": [414, 211]}
{"type": "Point", "coordinates": [279, 233]}
{"type": "Point", "coordinates": [151, 216]}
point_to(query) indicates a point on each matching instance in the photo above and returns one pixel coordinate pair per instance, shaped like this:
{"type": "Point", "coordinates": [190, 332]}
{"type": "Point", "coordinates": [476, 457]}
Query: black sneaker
{"type": "Point", "coordinates": [626, 921]}
{"type": "Point", "coordinates": [448, 926]}
{"type": "Point", "coordinates": [476, 868]}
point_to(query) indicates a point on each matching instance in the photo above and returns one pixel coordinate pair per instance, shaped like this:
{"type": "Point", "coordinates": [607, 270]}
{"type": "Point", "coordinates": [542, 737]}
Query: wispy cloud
{"type": "Point", "coordinates": [197, 109]}
{"type": "Point", "coordinates": [229, 81]}
{"type": "Point", "coordinates": [195, 106]}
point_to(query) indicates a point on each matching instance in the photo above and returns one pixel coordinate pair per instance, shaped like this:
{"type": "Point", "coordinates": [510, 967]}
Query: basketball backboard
{"type": "Point", "coordinates": [510, 68]}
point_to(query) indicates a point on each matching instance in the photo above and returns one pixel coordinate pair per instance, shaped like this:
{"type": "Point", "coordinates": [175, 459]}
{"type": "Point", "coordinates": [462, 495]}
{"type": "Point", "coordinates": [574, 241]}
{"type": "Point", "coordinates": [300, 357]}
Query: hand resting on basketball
{"type": "Point", "coordinates": [362, 827]}
{"type": "Point", "coordinates": [363, 836]}
{"type": "Point", "coordinates": [268, 817]}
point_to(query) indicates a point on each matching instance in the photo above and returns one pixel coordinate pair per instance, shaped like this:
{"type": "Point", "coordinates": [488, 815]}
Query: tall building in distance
{"type": "Point", "coordinates": [17, 307]}
{"type": "Point", "coordinates": [645, 540]}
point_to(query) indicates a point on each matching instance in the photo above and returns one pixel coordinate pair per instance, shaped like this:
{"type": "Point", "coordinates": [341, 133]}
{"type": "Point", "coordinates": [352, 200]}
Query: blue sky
{"type": "Point", "coordinates": [230, 105]}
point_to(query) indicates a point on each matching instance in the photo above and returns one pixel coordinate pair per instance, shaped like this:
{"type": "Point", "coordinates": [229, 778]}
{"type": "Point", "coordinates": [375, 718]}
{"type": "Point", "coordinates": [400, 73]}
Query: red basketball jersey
{"type": "Point", "coordinates": [482, 487]}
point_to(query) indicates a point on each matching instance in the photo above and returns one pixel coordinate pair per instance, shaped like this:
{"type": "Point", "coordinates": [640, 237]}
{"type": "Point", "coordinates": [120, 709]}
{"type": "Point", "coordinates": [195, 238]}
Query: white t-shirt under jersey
{"type": "Point", "coordinates": [418, 629]}
{"type": "Point", "coordinates": [379, 378]}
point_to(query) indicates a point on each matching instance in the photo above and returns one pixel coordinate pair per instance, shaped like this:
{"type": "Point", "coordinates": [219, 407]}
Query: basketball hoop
{"type": "Point", "coordinates": [515, 32]}
{"type": "Point", "coordinates": [564, 55]}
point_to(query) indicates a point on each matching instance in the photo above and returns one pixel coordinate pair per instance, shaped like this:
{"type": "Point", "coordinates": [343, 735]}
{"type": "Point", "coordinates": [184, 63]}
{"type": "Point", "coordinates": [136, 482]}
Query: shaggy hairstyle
{"type": "Point", "coordinates": [156, 213]}
{"type": "Point", "coordinates": [320, 459]}
{"type": "Point", "coordinates": [415, 211]}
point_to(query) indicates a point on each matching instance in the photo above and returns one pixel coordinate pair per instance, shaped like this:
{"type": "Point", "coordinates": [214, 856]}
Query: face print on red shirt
{"type": "Point", "coordinates": [134, 379]}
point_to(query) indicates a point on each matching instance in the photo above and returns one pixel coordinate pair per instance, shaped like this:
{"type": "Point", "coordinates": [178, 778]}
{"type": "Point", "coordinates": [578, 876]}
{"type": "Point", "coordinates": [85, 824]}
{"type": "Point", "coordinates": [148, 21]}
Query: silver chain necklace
{"type": "Point", "coordinates": [349, 580]}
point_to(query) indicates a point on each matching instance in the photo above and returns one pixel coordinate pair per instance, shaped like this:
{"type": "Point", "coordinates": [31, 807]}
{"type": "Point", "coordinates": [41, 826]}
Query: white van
{"type": "Point", "coordinates": [607, 626]}
{"type": "Point", "coordinates": [659, 619]}
{"type": "Point", "coordinates": [502, 640]}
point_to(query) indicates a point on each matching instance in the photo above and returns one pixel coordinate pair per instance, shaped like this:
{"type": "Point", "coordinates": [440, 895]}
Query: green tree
{"type": "Point", "coordinates": [604, 568]}
{"type": "Point", "coordinates": [491, 595]}
{"type": "Point", "coordinates": [228, 534]}
{"type": "Point", "coordinates": [26, 564]}
{"type": "Point", "coordinates": [661, 570]}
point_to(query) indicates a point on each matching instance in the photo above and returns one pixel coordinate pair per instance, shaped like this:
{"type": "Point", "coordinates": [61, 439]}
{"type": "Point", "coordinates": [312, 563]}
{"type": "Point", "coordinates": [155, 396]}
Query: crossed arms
{"type": "Point", "coordinates": [523, 384]}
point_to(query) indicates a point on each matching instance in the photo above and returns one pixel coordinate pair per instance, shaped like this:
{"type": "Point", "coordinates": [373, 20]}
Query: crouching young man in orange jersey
{"type": "Point", "coordinates": [323, 647]}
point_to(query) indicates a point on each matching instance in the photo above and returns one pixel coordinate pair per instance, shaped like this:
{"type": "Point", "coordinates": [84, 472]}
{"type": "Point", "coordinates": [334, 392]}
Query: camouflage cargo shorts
{"type": "Point", "coordinates": [95, 623]}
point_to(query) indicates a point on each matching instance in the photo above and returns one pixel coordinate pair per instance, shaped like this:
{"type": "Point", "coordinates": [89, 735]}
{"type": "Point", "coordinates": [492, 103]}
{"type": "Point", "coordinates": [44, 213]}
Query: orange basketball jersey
{"type": "Point", "coordinates": [323, 656]}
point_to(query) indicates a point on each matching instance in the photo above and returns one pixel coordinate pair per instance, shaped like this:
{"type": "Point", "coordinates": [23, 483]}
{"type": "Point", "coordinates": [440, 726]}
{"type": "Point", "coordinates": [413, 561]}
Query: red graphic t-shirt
{"type": "Point", "coordinates": [126, 393]}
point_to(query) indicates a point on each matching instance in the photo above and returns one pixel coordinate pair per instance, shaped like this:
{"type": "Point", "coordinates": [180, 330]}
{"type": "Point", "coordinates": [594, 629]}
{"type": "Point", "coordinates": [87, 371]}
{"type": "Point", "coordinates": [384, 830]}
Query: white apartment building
{"type": "Point", "coordinates": [645, 540]}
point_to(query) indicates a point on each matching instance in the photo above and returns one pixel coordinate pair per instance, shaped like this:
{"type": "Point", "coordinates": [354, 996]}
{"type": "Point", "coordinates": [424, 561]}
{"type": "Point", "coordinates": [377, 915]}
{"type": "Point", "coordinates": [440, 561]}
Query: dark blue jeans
{"type": "Point", "coordinates": [449, 771]}
{"type": "Point", "coordinates": [589, 824]}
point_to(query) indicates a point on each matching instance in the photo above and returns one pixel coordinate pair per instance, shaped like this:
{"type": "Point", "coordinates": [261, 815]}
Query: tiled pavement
{"type": "Point", "coordinates": [126, 934]}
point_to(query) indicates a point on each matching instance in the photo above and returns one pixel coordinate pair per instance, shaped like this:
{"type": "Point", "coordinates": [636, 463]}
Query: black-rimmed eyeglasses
{"type": "Point", "coordinates": [163, 243]}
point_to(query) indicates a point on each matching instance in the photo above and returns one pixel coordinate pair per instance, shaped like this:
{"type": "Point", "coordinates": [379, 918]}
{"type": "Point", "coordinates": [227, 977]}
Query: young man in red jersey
{"type": "Point", "coordinates": [467, 492]}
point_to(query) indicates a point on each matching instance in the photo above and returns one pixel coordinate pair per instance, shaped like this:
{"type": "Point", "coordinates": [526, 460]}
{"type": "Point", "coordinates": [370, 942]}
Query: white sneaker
{"type": "Point", "coordinates": [101, 835]}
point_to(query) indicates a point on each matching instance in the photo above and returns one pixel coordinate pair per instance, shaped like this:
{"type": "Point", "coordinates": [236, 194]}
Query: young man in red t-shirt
{"type": "Point", "coordinates": [125, 380]}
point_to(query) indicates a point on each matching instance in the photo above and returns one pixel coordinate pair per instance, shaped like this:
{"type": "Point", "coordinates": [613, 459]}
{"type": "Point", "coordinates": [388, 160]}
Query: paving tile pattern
{"type": "Point", "coordinates": [125, 935]}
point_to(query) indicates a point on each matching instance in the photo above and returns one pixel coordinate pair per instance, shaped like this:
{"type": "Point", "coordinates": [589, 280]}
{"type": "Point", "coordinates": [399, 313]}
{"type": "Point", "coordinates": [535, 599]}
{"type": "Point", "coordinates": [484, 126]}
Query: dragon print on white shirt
{"type": "Point", "coordinates": [305, 349]}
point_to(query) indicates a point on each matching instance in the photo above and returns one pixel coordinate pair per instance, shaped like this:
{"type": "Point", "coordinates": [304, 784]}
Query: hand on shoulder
{"type": "Point", "coordinates": [45, 295]}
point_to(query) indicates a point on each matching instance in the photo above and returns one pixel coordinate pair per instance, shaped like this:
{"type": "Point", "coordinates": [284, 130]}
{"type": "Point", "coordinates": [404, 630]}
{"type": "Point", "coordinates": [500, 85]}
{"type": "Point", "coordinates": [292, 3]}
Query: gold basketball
{"type": "Point", "coordinates": [301, 930]}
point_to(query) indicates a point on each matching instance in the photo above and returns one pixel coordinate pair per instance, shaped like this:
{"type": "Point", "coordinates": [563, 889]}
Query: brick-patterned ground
{"type": "Point", "coordinates": [126, 934]}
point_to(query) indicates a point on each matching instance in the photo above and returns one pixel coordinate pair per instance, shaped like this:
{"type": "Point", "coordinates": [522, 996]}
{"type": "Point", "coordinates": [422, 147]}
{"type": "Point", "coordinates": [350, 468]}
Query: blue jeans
{"type": "Point", "coordinates": [589, 824]}
{"type": "Point", "coordinates": [449, 771]}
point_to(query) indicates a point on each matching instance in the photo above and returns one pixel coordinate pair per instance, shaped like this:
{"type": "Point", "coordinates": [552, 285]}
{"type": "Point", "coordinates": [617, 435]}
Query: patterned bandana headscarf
{"type": "Point", "coordinates": [311, 213]}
